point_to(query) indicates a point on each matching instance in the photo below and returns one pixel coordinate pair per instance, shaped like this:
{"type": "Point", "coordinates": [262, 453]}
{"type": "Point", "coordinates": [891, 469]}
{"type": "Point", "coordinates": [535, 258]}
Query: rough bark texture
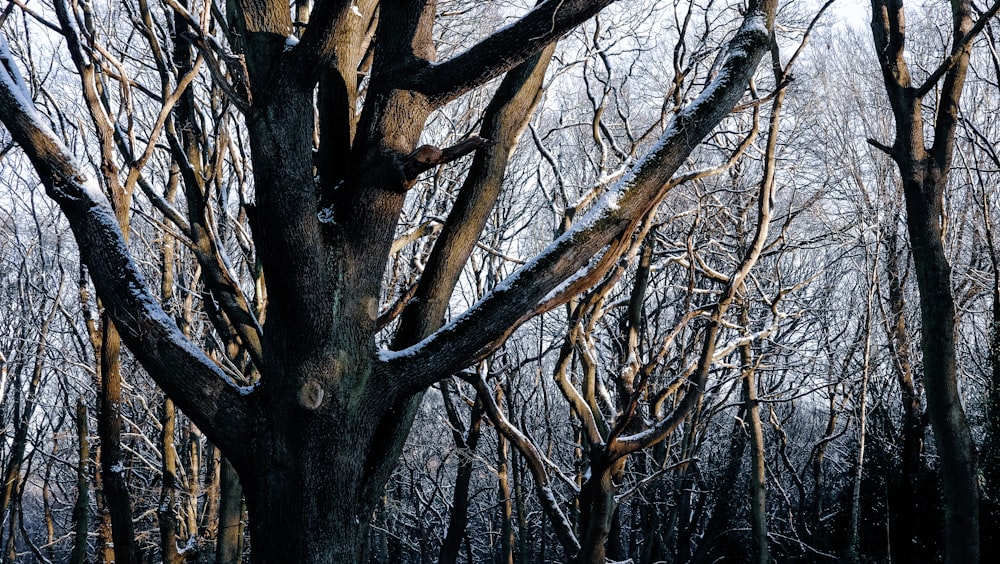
{"type": "Point", "coordinates": [229, 543]}
{"type": "Point", "coordinates": [924, 172]}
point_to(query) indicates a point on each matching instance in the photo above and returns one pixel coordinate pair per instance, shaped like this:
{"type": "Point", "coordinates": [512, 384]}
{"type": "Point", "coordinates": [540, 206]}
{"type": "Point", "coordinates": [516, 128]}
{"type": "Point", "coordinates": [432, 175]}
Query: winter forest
{"type": "Point", "coordinates": [448, 281]}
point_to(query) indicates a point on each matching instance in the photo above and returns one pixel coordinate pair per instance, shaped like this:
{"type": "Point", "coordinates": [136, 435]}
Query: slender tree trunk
{"type": "Point", "coordinates": [758, 496]}
{"type": "Point", "coordinates": [110, 426]}
{"type": "Point", "coordinates": [229, 540]}
{"type": "Point", "coordinates": [81, 510]}
{"type": "Point", "coordinates": [506, 504]}
{"type": "Point", "coordinates": [168, 489]}
{"type": "Point", "coordinates": [854, 528]}
{"type": "Point", "coordinates": [459, 516]}
{"type": "Point", "coordinates": [208, 524]}
{"type": "Point", "coordinates": [905, 511]}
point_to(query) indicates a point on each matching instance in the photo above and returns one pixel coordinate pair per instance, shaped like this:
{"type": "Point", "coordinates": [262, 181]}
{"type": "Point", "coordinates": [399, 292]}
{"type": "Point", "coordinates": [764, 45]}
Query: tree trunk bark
{"type": "Point", "coordinates": [459, 517]}
{"type": "Point", "coordinates": [758, 498]}
{"type": "Point", "coordinates": [597, 512]}
{"type": "Point", "coordinates": [168, 489]}
{"type": "Point", "coordinates": [506, 504]}
{"type": "Point", "coordinates": [110, 427]}
{"type": "Point", "coordinates": [924, 172]}
{"type": "Point", "coordinates": [229, 540]}
{"type": "Point", "coordinates": [81, 510]}
{"type": "Point", "coordinates": [952, 434]}
{"type": "Point", "coordinates": [854, 527]}
{"type": "Point", "coordinates": [904, 512]}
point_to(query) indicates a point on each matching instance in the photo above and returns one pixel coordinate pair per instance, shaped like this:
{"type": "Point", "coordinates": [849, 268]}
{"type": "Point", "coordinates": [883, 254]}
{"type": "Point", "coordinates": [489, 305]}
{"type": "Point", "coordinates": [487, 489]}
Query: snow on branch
{"type": "Point", "coordinates": [184, 372]}
{"type": "Point", "coordinates": [592, 245]}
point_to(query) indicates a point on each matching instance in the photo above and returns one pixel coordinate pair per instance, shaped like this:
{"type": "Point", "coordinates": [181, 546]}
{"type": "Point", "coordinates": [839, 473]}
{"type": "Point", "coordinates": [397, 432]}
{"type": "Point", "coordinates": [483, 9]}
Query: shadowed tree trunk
{"type": "Point", "coordinates": [905, 512]}
{"type": "Point", "coordinates": [924, 173]}
{"type": "Point", "coordinates": [758, 495]}
{"type": "Point", "coordinates": [229, 544]}
{"type": "Point", "coordinates": [168, 492]}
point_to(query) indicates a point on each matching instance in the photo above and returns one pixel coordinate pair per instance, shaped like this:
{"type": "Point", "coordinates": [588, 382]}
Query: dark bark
{"type": "Point", "coordinates": [597, 509]}
{"type": "Point", "coordinates": [990, 461]}
{"type": "Point", "coordinates": [924, 172]}
{"type": "Point", "coordinates": [466, 441]}
{"type": "Point", "coordinates": [905, 511]}
{"type": "Point", "coordinates": [720, 537]}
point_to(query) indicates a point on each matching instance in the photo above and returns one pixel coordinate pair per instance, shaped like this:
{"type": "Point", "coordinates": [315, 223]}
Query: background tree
{"type": "Point", "coordinates": [924, 172]}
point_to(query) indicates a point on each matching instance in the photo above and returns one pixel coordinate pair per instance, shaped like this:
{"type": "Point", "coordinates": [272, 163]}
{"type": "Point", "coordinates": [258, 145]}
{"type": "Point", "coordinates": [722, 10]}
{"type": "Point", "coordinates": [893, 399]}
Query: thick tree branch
{"type": "Point", "coordinates": [959, 49]}
{"type": "Point", "coordinates": [888, 31]}
{"type": "Point", "coordinates": [426, 157]}
{"type": "Point", "coordinates": [621, 209]}
{"type": "Point", "coordinates": [335, 32]}
{"type": "Point", "coordinates": [200, 387]}
{"type": "Point", "coordinates": [503, 50]}
{"type": "Point", "coordinates": [880, 146]}
{"type": "Point", "coordinates": [504, 121]}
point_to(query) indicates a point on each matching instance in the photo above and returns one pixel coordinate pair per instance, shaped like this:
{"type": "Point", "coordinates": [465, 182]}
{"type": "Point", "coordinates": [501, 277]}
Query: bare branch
{"type": "Point", "coordinates": [958, 50]}
{"type": "Point", "coordinates": [426, 157]}
{"type": "Point", "coordinates": [503, 50]}
{"type": "Point", "coordinates": [199, 386]}
{"type": "Point", "coordinates": [621, 210]}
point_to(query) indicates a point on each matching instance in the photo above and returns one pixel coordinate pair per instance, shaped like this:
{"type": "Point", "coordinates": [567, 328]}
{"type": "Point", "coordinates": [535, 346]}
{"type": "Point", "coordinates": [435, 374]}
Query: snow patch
{"type": "Point", "coordinates": [325, 215]}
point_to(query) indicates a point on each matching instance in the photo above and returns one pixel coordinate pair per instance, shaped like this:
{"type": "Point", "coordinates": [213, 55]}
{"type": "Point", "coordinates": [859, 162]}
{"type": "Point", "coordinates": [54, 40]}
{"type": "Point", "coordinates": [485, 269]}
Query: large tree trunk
{"type": "Point", "coordinates": [310, 493]}
{"type": "Point", "coordinates": [952, 434]}
{"type": "Point", "coordinates": [597, 511]}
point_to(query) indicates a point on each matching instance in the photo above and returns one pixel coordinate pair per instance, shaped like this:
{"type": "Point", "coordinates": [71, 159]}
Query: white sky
{"type": "Point", "coordinates": [854, 13]}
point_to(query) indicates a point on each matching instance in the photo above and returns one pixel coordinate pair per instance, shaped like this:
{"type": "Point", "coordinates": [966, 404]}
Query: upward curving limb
{"type": "Point", "coordinates": [184, 372]}
{"type": "Point", "coordinates": [584, 250]}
